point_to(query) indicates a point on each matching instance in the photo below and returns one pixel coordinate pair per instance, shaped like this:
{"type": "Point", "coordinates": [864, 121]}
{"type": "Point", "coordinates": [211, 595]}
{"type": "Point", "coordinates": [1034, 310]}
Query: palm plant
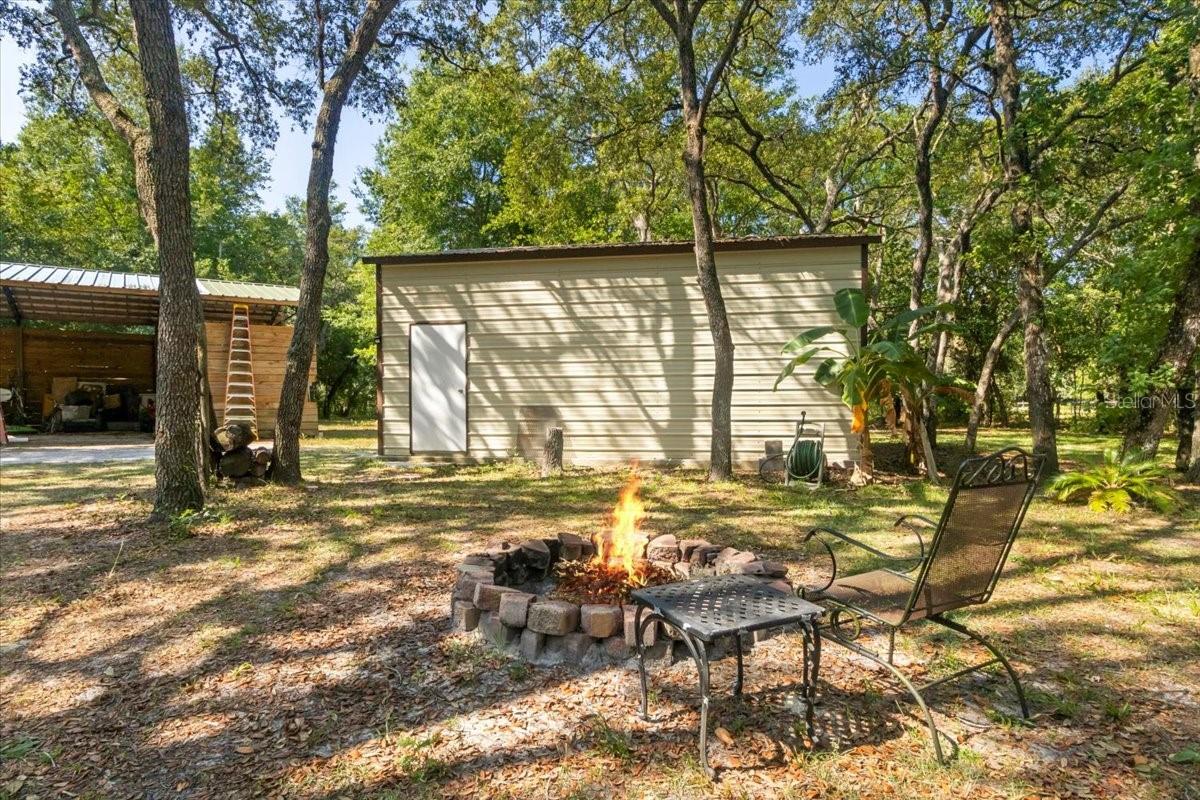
{"type": "Point", "coordinates": [1117, 484]}
{"type": "Point", "coordinates": [886, 364]}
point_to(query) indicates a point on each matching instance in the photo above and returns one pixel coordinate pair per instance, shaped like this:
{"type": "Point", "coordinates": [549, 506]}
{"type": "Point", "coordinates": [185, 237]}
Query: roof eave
{"type": "Point", "coordinates": [616, 249]}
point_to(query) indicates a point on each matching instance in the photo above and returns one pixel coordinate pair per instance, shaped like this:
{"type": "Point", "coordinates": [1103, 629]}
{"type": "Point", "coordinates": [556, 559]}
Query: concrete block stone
{"type": "Point", "coordinates": [553, 617]}
{"type": "Point", "coordinates": [464, 616]}
{"type": "Point", "coordinates": [514, 608]}
{"type": "Point", "coordinates": [601, 620]}
{"type": "Point", "coordinates": [487, 596]}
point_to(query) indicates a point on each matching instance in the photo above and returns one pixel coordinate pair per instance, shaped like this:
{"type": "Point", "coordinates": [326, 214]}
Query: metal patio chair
{"type": "Point", "coordinates": [960, 568]}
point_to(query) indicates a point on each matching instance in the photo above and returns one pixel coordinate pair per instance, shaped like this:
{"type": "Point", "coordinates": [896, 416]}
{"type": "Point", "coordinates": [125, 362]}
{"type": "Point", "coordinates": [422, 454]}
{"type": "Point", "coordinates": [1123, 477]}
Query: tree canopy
{"type": "Point", "coordinates": [1071, 153]}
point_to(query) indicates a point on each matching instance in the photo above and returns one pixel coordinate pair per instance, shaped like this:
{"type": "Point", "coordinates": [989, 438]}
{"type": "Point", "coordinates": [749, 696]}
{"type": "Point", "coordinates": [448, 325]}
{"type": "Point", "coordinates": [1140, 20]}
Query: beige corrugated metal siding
{"type": "Point", "coordinates": [617, 348]}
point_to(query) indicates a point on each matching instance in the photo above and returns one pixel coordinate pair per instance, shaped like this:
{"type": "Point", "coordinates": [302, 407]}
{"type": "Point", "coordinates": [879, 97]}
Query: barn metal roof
{"type": "Point", "coordinates": [533, 252]}
{"type": "Point", "coordinates": [68, 294]}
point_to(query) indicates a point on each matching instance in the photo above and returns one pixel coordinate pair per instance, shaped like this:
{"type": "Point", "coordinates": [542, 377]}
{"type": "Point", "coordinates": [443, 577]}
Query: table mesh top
{"type": "Point", "coordinates": [713, 607]}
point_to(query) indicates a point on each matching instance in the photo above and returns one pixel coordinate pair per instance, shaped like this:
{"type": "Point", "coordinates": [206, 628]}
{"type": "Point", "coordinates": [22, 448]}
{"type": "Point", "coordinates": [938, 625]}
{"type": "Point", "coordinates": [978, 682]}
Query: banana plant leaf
{"type": "Point", "coordinates": [851, 306]}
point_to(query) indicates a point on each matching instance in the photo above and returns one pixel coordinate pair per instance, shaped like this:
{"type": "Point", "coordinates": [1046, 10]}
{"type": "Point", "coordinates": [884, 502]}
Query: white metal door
{"type": "Point", "coordinates": [438, 380]}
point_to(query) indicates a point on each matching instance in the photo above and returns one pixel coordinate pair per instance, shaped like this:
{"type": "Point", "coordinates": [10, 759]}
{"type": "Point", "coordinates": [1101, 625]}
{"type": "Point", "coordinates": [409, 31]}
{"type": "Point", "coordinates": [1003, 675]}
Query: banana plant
{"type": "Point", "coordinates": [875, 370]}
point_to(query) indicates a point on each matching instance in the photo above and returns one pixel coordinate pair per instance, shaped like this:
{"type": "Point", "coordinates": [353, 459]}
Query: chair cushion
{"type": "Point", "coordinates": [885, 594]}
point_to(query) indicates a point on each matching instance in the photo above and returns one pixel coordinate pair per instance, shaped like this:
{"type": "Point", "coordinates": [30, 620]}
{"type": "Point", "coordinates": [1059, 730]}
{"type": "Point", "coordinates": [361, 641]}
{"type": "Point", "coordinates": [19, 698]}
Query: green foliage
{"type": "Point", "coordinates": [346, 355]}
{"type": "Point", "coordinates": [865, 373]}
{"type": "Point", "coordinates": [69, 200]}
{"type": "Point", "coordinates": [1117, 484]}
{"type": "Point", "coordinates": [609, 740]}
{"type": "Point", "coordinates": [1188, 755]}
{"type": "Point", "coordinates": [68, 196]}
{"type": "Point", "coordinates": [548, 123]}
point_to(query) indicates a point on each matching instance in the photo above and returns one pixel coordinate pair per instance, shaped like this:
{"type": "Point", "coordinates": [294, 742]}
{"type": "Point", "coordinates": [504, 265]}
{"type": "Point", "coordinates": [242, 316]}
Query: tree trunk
{"type": "Point", "coordinates": [1038, 389]}
{"type": "Point", "coordinates": [1176, 353]}
{"type": "Point", "coordinates": [721, 449]}
{"type": "Point", "coordinates": [986, 373]}
{"type": "Point", "coordinates": [920, 415]}
{"type": "Point", "coordinates": [294, 388]}
{"type": "Point", "coordinates": [1001, 409]}
{"type": "Point", "coordinates": [694, 104]}
{"type": "Point", "coordinates": [552, 453]}
{"type": "Point", "coordinates": [160, 163]}
{"type": "Point", "coordinates": [923, 178]}
{"type": "Point", "coordinates": [178, 445]}
{"type": "Point", "coordinates": [1018, 171]}
{"type": "Point", "coordinates": [864, 470]}
{"type": "Point", "coordinates": [1186, 420]}
{"type": "Point", "coordinates": [1193, 470]}
{"type": "Point", "coordinates": [949, 279]}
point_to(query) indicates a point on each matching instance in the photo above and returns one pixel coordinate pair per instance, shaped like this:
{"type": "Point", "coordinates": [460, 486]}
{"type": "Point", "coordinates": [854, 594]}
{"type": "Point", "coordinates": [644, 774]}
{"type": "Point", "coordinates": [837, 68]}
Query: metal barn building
{"type": "Point", "coordinates": [480, 351]}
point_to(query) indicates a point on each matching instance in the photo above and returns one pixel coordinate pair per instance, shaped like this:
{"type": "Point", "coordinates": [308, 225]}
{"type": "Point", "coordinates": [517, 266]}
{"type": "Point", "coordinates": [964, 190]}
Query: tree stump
{"type": "Point", "coordinates": [552, 452]}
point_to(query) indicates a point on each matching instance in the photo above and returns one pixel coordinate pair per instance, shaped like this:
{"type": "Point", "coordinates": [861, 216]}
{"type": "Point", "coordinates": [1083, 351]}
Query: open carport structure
{"type": "Point", "coordinates": [62, 326]}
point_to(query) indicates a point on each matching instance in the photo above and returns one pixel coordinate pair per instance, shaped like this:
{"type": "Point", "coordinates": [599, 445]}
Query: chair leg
{"type": "Point", "coordinates": [970, 634]}
{"type": "Point", "coordinates": [934, 736]}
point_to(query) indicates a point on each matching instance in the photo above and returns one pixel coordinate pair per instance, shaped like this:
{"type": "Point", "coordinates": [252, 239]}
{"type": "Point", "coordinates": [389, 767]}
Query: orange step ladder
{"type": "Point", "coordinates": [239, 374]}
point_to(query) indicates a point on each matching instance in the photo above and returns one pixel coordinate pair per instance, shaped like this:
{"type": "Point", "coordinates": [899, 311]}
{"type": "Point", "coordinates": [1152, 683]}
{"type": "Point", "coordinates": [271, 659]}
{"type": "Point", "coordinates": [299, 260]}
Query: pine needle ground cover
{"type": "Point", "coordinates": [294, 643]}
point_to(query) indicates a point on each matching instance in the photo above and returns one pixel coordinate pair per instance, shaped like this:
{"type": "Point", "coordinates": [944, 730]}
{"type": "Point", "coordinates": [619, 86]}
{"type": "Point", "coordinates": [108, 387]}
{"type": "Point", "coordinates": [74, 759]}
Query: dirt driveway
{"type": "Point", "coordinates": [78, 448]}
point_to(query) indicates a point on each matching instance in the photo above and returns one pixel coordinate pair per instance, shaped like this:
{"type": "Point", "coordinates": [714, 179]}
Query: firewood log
{"type": "Point", "coordinates": [234, 435]}
{"type": "Point", "coordinates": [236, 462]}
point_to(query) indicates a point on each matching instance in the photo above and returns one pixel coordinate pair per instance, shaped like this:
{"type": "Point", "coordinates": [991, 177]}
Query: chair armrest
{"type": "Point", "coordinates": [904, 518]}
{"type": "Point", "coordinates": [820, 535]}
{"type": "Point", "coordinates": [816, 532]}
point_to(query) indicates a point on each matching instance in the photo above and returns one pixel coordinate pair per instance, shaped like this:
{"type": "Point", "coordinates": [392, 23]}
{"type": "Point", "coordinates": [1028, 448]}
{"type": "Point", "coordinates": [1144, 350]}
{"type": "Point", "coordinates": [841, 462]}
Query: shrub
{"type": "Point", "coordinates": [1117, 484]}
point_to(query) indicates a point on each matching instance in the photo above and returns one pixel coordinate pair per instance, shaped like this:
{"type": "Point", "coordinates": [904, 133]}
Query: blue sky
{"type": "Point", "coordinates": [289, 157]}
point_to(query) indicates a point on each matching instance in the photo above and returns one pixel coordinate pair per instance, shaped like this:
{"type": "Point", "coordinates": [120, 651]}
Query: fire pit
{"type": "Point", "coordinates": [565, 599]}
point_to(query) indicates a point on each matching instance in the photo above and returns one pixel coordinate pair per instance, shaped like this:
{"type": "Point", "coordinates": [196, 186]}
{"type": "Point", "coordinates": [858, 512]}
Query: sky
{"type": "Point", "coordinates": [289, 157]}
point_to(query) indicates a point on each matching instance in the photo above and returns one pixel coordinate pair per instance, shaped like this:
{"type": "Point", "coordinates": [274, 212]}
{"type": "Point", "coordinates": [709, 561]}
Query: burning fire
{"type": "Point", "coordinates": [624, 547]}
{"type": "Point", "coordinates": [620, 563]}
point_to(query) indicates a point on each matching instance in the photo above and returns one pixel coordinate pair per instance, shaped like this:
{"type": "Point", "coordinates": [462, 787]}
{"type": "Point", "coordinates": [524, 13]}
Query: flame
{"type": "Point", "coordinates": [624, 546]}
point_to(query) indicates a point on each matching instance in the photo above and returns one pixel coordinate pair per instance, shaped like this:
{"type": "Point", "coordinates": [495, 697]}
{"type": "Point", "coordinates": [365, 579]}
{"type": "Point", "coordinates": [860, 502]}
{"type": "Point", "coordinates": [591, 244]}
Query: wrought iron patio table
{"type": "Point", "coordinates": [706, 610]}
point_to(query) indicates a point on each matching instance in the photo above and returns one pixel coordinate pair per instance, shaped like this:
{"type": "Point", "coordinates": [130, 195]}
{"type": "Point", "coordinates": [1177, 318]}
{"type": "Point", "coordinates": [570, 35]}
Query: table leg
{"type": "Point", "coordinates": [810, 671]}
{"type": "Point", "coordinates": [699, 653]}
{"type": "Point", "coordinates": [641, 651]}
{"type": "Point", "coordinates": [737, 684]}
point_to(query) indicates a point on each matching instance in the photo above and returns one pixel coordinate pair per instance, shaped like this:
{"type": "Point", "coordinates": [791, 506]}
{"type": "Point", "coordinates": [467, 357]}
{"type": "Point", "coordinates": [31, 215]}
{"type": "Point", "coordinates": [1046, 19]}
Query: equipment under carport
{"type": "Point", "coordinates": [93, 405]}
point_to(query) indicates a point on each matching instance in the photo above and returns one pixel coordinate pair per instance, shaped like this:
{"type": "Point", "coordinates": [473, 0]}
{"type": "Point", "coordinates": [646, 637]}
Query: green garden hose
{"type": "Point", "coordinates": [805, 459]}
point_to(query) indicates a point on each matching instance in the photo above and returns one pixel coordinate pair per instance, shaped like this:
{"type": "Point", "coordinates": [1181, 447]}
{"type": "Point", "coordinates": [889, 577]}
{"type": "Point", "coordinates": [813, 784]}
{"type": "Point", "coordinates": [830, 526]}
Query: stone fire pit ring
{"type": "Point", "coordinates": [502, 594]}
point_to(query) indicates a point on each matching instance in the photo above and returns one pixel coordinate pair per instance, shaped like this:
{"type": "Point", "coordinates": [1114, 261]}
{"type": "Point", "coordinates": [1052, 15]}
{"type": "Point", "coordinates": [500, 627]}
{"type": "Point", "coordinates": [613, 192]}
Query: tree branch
{"type": "Point", "coordinates": [735, 35]}
{"type": "Point", "coordinates": [91, 75]}
{"type": "Point", "coordinates": [1093, 229]}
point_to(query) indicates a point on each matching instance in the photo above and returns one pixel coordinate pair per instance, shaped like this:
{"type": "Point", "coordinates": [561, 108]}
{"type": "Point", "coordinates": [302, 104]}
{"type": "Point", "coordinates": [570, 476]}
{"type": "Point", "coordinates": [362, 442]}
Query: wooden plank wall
{"type": "Point", "coordinates": [115, 358]}
{"type": "Point", "coordinates": [9, 337]}
{"type": "Point", "coordinates": [269, 344]}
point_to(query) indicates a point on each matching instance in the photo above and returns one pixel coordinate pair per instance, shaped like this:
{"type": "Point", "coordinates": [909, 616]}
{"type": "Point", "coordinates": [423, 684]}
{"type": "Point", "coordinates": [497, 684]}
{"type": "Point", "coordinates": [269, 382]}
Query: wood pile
{"type": "Point", "coordinates": [245, 466]}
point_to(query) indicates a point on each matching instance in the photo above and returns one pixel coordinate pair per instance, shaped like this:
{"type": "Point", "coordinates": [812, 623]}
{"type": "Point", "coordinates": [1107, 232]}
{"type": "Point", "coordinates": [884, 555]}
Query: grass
{"type": "Point", "coordinates": [292, 642]}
